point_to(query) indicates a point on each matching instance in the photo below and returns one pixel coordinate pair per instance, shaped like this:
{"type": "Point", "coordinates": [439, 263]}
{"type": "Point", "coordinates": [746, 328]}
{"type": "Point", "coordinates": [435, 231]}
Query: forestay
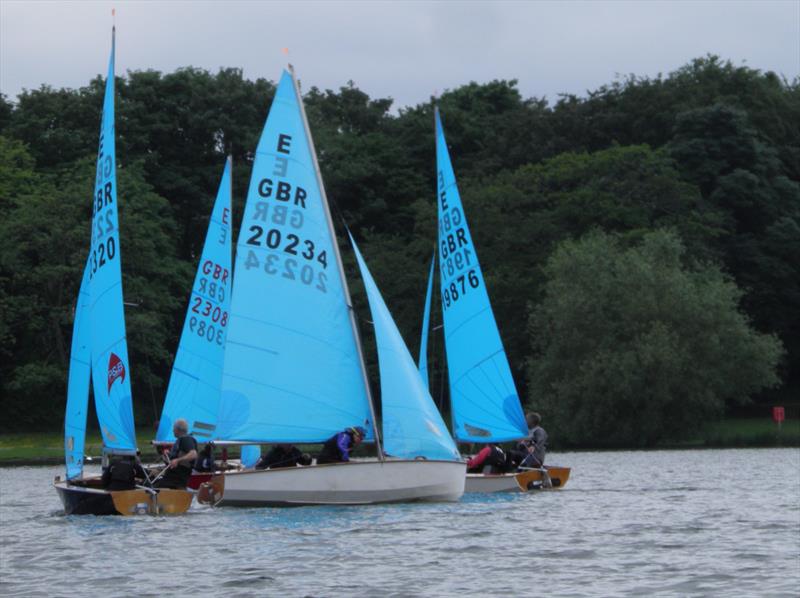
{"type": "Point", "coordinates": [412, 426]}
{"type": "Point", "coordinates": [292, 372]}
{"type": "Point", "coordinates": [484, 399]}
{"type": "Point", "coordinates": [194, 386]}
{"type": "Point", "coordinates": [111, 375]}
{"type": "Point", "coordinates": [78, 384]}
{"type": "Point", "coordinates": [423, 343]}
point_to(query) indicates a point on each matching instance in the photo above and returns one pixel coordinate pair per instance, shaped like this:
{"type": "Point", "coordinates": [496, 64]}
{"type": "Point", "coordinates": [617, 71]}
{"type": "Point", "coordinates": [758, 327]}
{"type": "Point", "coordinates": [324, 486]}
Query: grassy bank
{"type": "Point", "coordinates": [744, 432]}
{"type": "Point", "coordinates": [48, 447]}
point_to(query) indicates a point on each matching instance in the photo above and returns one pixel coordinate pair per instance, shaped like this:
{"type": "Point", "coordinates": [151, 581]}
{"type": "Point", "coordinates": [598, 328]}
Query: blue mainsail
{"type": "Point", "coordinates": [194, 386]}
{"type": "Point", "coordinates": [80, 367]}
{"type": "Point", "coordinates": [483, 397]}
{"type": "Point", "coordinates": [292, 371]}
{"type": "Point", "coordinates": [111, 375]}
{"type": "Point", "coordinates": [412, 426]}
{"type": "Point", "coordinates": [423, 343]}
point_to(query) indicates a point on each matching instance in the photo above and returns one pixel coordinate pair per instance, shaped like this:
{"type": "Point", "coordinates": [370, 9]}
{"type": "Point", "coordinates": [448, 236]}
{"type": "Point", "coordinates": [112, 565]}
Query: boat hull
{"type": "Point", "coordinates": [515, 482]}
{"type": "Point", "coordinates": [87, 499]}
{"type": "Point", "coordinates": [353, 483]}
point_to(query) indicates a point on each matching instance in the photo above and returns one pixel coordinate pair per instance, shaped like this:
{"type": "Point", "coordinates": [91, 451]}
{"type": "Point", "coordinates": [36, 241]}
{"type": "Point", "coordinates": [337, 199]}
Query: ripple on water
{"type": "Point", "coordinates": [627, 523]}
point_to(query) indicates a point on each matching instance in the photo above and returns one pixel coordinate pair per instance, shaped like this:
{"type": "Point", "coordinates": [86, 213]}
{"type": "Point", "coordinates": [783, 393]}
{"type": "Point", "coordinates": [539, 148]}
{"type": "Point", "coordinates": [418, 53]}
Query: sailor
{"type": "Point", "coordinates": [491, 457]}
{"type": "Point", "coordinates": [535, 445]}
{"type": "Point", "coordinates": [283, 455]}
{"type": "Point", "coordinates": [122, 473]}
{"type": "Point", "coordinates": [338, 447]}
{"type": "Point", "coordinates": [182, 456]}
{"type": "Point", "coordinates": [205, 460]}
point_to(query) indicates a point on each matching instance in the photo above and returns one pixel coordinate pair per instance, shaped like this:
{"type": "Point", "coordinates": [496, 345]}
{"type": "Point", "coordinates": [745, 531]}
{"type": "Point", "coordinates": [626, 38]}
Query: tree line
{"type": "Point", "coordinates": [641, 245]}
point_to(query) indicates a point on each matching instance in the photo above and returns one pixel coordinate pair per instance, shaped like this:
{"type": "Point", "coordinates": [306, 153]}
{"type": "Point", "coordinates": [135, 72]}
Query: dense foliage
{"type": "Point", "coordinates": [711, 152]}
{"type": "Point", "coordinates": [635, 348]}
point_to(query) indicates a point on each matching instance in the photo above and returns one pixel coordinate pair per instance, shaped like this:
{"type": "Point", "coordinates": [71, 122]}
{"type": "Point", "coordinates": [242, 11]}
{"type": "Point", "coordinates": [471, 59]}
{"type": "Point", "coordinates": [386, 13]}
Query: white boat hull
{"type": "Point", "coordinates": [354, 483]}
{"type": "Point", "coordinates": [501, 482]}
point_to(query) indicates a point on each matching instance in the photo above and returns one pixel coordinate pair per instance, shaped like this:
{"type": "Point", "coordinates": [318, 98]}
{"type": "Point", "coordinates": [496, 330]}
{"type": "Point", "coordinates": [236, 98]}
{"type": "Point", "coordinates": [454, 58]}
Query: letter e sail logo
{"type": "Point", "coordinates": [116, 369]}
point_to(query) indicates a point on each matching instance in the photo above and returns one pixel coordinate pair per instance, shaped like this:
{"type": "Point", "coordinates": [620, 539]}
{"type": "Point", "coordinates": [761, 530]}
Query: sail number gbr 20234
{"type": "Point", "coordinates": [285, 258]}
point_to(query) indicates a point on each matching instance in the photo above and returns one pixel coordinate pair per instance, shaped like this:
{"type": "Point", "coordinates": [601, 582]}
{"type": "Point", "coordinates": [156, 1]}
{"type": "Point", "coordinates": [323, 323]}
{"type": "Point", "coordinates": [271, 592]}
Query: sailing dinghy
{"type": "Point", "coordinates": [484, 401]}
{"type": "Point", "coordinates": [100, 352]}
{"type": "Point", "coordinates": [294, 370]}
{"type": "Point", "coordinates": [194, 386]}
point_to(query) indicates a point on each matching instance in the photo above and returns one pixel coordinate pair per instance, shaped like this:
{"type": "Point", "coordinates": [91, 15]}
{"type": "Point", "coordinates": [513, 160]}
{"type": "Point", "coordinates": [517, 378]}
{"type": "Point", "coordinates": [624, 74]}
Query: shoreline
{"type": "Point", "coordinates": [55, 461]}
{"type": "Point", "coordinates": [31, 449]}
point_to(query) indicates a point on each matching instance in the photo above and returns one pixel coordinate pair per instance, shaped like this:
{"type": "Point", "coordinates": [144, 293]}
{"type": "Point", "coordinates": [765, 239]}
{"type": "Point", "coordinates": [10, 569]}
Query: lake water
{"type": "Point", "coordinates": [663, 523]}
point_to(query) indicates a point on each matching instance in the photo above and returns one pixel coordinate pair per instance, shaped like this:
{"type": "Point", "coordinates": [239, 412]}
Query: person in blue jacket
{"type": "Point", "coordinates": [338, 447]}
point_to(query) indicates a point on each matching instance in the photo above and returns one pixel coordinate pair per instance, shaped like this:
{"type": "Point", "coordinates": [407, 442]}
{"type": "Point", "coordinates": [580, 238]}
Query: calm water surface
{"type": "Point", "coordinates": [666, 523]}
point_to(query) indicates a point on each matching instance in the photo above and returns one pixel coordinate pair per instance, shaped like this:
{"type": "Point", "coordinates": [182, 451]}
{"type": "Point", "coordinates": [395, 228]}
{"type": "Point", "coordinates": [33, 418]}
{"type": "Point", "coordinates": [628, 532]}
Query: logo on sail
{"type": "Point", "coordinates": [116, 369]}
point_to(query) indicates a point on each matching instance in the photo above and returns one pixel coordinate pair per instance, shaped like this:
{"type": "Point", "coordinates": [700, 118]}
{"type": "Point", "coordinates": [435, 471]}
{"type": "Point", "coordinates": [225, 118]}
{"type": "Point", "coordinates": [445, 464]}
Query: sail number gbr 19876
{"type": "Point", "coordinates": [454, 258]}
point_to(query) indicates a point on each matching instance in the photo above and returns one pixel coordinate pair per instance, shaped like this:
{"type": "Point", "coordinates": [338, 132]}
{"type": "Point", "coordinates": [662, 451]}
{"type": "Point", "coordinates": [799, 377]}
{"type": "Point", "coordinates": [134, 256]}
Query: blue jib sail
{"type": "Point", "coordinates": [250, 454]}
{"type": "Point", "coordinates": [412, 426]}
{"type": "Point", "coordinates": [292, 371]}
{"type": "Point", "coordinates": [194, 386]}
{"type": "Point", "coordinates": [483, 397]}
{"type": "Point", "coordinates": [111, 374]}
{"type": "Point", "coordinates": [78, 385]}
{"type": "Point", "coordinates": [423, 343]}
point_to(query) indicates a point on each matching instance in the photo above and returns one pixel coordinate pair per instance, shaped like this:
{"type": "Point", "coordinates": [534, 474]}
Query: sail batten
{"type": "Point", "coordinates": [193, 393]}
{"type": "Point", "coordinates": [484, 400]}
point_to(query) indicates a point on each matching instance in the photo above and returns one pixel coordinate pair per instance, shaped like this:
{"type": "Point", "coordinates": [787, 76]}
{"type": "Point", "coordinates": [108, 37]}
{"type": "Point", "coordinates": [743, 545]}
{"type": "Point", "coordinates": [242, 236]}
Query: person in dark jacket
{"type": "Point", "coordinates": [283, 455]}
{"type": "Point", "coordinates": [338, 447]}
{"type": "Point", "coordinates": [123, 473]}
{"type": "Point", "coordinates": [182, 456]}
{"type": "Point", "coordinates": [205, 460]}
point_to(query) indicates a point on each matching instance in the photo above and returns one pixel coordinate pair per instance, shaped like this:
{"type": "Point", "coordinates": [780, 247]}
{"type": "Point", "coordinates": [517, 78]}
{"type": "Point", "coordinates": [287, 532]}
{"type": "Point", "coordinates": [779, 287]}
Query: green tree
{"type": "Point", "coordinates": [517, 219]}
{"type": "Point", "coordinates": [632, 347]}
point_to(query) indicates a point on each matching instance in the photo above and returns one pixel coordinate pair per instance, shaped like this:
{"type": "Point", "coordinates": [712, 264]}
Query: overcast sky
{"type": "Point", "coordinates": [404, 50]}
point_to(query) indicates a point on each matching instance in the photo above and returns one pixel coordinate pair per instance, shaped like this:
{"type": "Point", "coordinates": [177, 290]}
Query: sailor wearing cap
{"type": "Point", "coordinates": [338, 447]}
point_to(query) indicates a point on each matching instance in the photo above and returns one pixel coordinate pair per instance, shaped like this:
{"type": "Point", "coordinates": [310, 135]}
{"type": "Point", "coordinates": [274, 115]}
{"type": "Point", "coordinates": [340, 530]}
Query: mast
{"type": "Point", "coordinates": [351, 311]}
{"type": "Point", "coordinates": [233, 245]}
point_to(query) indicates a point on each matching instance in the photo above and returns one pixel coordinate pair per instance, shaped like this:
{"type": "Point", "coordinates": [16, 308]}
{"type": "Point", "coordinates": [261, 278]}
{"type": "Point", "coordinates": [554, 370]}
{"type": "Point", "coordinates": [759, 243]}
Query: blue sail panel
{"type": "Point", "coordinates": [423, 343]}
{"type": "Point", "coordinates": [111, 375]}
{"type": "Point", "coordinates": [292, 372]}
{"type": "Point", "coordinates": [412, 426]}
{"type": "Point", "coordinates": [80, 368]}
{"type": "Point", "coordinates": [250, 455]}
{"type": "Point", "coordinates": [194, 386]}
{"type": "Point", "coordinates": [484, 399]}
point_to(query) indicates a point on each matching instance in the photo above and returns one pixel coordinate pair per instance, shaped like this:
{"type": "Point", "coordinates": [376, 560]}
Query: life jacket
{"type": "Point", "coordinates": [123, 476]}
{"type": "Point", "coordinates": [176, 452]}
{"type": "Point", "coordinates": [497, 458]}
{"type": "Point", "coordinates": [330, 452]}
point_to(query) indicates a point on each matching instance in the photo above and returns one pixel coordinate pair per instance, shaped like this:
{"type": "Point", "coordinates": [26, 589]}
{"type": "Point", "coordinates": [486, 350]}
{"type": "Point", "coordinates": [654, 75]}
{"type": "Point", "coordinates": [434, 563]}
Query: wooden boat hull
{"type": "Point", "coordinates": [354, 483]}
{"type": "Point", "coordinates": [515, 482]}
{"type": "Point", "coordinates": [87, 499]}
